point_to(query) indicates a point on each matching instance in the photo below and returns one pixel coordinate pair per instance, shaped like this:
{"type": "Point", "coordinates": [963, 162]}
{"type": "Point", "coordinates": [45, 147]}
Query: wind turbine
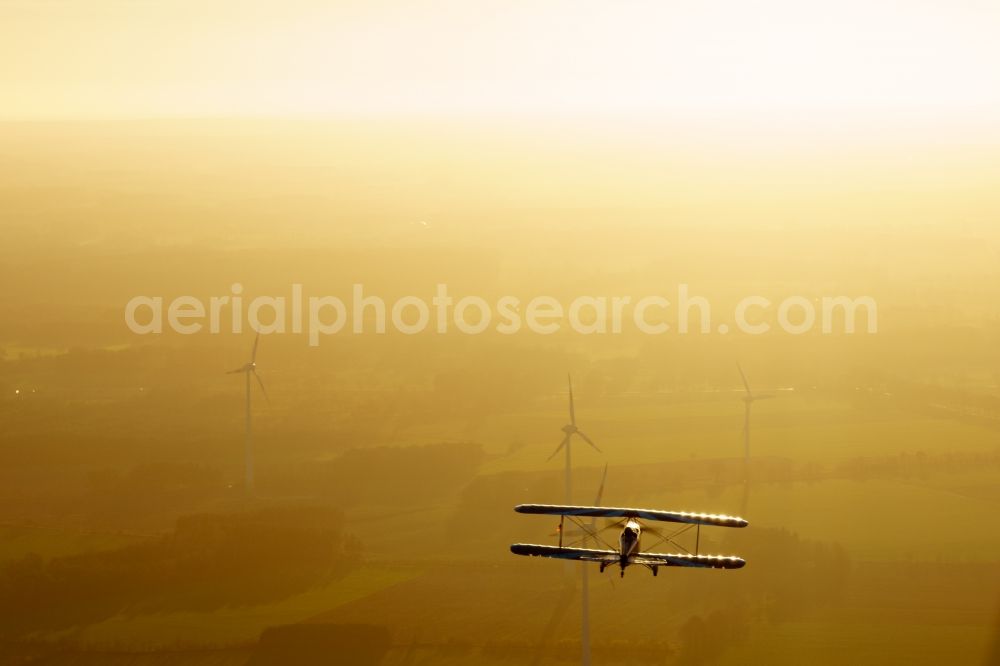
{"type": "Point", "coordinates": [748, 399]}
{"type": "Point", "coordinates": [250, 369]}
{"type": "Point", "coordinates": [569, 430]}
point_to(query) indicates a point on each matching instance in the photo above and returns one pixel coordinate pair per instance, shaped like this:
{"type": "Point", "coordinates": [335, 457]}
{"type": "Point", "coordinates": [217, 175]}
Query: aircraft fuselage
{"type": "Point", "coordinates": [628, 543]}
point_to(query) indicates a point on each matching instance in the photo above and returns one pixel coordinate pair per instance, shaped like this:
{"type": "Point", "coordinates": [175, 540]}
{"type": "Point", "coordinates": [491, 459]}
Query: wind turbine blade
{"type": "Point", "coordinates": [253, 354]}
{"type": "Point", "coordinates": [558, 448]}
{"type": "Point", "coordinates": [588, 440]}
{"type": "Point", "coordinates": [600, 489]}
{"type": "Point", "coordinates": [236, 371]}
{"type": "Point", "coordinates": [746, 384]}
{"type": "Point", "coordinates": [597, 502]}
{"type": "Point", "coordinates": [572, 410]}
{"type": "Point", "coordinates": [264, 390]}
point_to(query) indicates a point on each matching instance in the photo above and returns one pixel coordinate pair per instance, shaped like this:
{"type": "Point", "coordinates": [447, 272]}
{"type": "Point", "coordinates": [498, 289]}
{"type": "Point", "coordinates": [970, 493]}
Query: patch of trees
{"type": "Point", "coordinates": [788, 573]}
{"type": "Point", "coordinates": [208, 562]}
{"type": "Point", "coordinates": [786, 577]}
{"type": "Point", "coordinates": [993, 656]}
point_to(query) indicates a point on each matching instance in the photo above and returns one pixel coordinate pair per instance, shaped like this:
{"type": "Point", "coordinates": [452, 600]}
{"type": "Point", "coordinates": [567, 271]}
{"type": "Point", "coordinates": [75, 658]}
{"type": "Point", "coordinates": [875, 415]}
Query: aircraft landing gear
{"type": "Point", "coordinates": [656, 570]}
{"type": "Point", "coordinates": [623, 572]}
{"type": "Point", "coordinates": [604, 565]}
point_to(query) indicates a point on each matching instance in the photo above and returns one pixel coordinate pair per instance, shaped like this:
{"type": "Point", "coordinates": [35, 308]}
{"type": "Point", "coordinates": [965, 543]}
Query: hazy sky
{"type": "Point", "coordinates": [788, 60]}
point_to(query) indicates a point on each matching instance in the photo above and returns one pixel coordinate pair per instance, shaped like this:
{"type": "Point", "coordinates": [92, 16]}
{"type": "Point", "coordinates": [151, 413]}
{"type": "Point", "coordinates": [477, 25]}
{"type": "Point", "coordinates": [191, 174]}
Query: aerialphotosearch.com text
{"type": "Point", "coordinates": [319, 316]}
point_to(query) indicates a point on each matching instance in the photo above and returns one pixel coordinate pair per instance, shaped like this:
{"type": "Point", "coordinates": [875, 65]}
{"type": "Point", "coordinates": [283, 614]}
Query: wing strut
{"type": "Point", "coordinates": [562, 519]}
{"type": "Point", "coordinates": [697, 539]}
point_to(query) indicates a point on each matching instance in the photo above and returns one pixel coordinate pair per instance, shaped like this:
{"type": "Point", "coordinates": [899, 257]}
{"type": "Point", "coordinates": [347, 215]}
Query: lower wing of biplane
{"type": "Point", "coordinates": [647, 559]}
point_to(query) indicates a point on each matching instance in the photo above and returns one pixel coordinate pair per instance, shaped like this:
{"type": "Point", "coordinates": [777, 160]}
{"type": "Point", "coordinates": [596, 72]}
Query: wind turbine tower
{"type": "Point", "coordinates": [749, 397]}
{"type": "Point", "coordinates": [585, 581]}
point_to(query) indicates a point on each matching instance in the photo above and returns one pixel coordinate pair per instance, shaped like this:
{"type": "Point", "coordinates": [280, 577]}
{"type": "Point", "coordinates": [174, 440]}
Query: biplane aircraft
{"type": "Point", "coordinates": [629, 552]}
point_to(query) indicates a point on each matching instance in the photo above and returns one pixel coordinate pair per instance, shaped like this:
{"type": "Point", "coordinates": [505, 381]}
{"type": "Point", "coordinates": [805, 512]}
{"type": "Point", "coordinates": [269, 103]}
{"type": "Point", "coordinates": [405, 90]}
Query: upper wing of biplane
{"type": "Point", "coordinates": [585, 554]}
{"type": "Point", "coordinates": [688, 560]}
{"type": "Point", "coordinates": [645, 514]}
